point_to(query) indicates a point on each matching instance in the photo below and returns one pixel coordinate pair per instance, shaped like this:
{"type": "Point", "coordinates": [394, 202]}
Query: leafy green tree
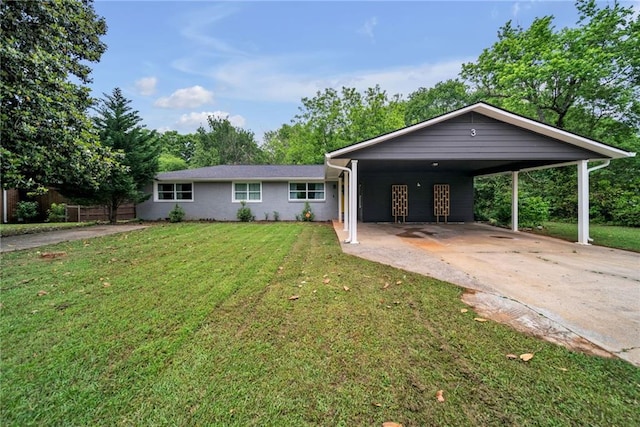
{"type": "Point", "coordinates": [119, 128]}
{"type": "Point", "coordinates": [592, 68]}
{"type": "Point", "coordinates": [178, 145]}
{"type": "Point", "coordinates": [426, 103]}
{"type": "Point", "coordinates": [332, 120]}
{"type": "Point", "coordinates": [47, 136]}
{"type": "Point", "coordinates": [169, 162]}
{"type": "Point", "coordinates": [225, 144]}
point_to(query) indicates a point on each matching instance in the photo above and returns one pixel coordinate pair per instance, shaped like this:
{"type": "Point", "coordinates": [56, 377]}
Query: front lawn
{"type": "Point", "coordinates": [270, 324]}
{"type": "Point", "coordinates": [603, 235]}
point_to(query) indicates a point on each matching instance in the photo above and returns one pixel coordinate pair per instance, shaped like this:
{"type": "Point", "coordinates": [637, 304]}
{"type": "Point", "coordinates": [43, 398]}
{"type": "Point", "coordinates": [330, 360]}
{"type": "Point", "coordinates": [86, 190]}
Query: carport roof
{"type": "Point", "coordinates": [598, 150]}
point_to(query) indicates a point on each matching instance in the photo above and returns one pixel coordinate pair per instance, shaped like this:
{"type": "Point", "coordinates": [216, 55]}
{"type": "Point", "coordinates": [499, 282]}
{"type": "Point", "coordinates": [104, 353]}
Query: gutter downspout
{"type": "Point", "coordinates": [583, 199]}
{"type": "Point", "coordinates": [347, 222]}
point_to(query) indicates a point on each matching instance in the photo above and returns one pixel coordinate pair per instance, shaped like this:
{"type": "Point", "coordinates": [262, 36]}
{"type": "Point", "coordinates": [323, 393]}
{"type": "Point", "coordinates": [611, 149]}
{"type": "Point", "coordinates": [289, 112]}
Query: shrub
{"type": "Point", "coordinates": [26, 211]}
{"type": "Point", "coordinates": [266, 216]}
{"type": "Point", "coordinates": [307, 213]}
{"type": "Point", "coordinates": [177, 214]}
{"type": "Point", "coordinates": [56, 213]}
{"type": "Point", "coordinates": [276, 216]}
{"type": "Point", "coordinates": [244, 213]}
{"type": "Point", "coordinates": [533, 211]}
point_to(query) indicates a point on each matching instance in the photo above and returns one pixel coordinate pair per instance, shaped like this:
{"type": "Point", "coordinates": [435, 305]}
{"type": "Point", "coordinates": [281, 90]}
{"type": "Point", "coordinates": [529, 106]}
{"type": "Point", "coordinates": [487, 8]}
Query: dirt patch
{"type": "Point", "coordinates": [526, 320]}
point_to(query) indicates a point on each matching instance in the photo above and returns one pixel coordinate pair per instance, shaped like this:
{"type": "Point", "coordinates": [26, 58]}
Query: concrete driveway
{"type": "Point", "coordinates": [29, 241]}
{"type": "Point", "coordinates": [584, 297]}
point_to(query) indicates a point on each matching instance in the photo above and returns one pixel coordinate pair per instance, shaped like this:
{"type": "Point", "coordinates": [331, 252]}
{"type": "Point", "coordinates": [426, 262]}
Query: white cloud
{"type": "Point", "coordinates": [267, 79]}
{"type": "Point", "coordinates": [194, 120]}
{"type": "Point", "coordinates": [190, 97]}
{"type": "Point", "coordinates": [367, 28]}
{"type": "Point", "coordinates": [146, 86]}
{"type": "Point", "coordinates": [246, 75]}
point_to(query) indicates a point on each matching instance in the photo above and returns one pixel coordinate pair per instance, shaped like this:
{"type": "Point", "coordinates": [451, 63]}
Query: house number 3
{"type": "Point", "coordinates": [473, 132]}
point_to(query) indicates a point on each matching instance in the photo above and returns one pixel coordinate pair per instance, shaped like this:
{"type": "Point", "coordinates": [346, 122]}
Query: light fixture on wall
{"type": "Point", "coordinates": [418, 185]}
{"type": "Point", "coordinates": [434, 164]}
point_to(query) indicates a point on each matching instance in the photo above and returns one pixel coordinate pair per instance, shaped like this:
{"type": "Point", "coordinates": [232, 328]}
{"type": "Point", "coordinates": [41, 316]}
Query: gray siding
{"type": "Point", "coordinates": [213, 201]}
{"type": "Point", "coordinates": [452, 140]}
{"type": "Point", "coordinates": [376, 195]}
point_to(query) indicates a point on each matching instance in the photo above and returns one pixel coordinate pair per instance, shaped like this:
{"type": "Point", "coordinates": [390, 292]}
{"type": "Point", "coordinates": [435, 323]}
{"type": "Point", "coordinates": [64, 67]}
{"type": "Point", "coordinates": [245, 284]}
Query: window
{"type": "Point", "coordinates": [306, 191]}
{"type": "Point", "coordinates": [247, 191]}
{"type": "Point", "coordinates": [172, 192]}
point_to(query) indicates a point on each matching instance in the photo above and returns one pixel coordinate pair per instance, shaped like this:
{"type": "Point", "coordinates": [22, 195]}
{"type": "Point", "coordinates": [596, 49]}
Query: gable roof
{"type": "Point", "coordinates": [606, 151]}
{"type": "Point", "coordinates": [248, 172]}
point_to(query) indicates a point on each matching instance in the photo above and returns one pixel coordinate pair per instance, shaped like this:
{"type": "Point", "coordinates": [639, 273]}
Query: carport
{"type": "Point", "coordinates": [425, 172]}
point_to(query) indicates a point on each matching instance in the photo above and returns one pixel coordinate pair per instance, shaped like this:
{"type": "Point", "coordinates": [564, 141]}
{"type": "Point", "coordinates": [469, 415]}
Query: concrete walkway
{"type": "Point", "coordinates": [29, 241]}
{"type": "Point", "coordinates": [583, 297]}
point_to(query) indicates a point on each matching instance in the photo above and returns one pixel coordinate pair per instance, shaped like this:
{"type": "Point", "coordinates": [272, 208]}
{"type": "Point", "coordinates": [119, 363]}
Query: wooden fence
{"type": "Point", "coordinates": [77, 213]}
{"type": "Point", "coordinates": [9, 202]}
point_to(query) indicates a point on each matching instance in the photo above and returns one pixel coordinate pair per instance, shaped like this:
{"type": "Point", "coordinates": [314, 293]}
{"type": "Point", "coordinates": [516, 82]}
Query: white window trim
{"type": "Point", "coordinates": [155, 192]}
{"type": "Point", "coordinates": [233, 192]}
{"type": "Point", "coordinates": [324, 199]}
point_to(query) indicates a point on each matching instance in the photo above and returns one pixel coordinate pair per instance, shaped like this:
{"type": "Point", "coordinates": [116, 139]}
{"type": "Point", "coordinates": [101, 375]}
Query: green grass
{"type": "Point", "coordinates": [191, 324]}
{"type": "Point", "coordinates": [15, 229]}
{"type": "Point", "coordinates": [627, 238]}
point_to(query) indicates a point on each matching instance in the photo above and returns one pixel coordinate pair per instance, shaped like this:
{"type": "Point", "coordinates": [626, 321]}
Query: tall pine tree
{"type": "Point", "coordinates": [119, 128]}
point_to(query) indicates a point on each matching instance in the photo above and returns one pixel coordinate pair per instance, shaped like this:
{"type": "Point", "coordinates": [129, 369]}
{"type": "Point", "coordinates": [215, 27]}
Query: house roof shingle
{"type": "Point", "coordinates": [253, 172]}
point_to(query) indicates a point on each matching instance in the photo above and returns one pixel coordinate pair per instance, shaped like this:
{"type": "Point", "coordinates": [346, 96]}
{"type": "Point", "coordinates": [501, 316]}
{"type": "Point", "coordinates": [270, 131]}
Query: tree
{"type": "Point", "coordinates": [47, 137]}
{"type": "Point", "coordinates": [225, 144]}
{"type": "Point", "coordinates": [119, 129]}
{"type": "Point", "coordinates": [175, 144]}
{"type": "Point", "coordinates": [569, 78]}
{"type": "Point", "coordinates": [169, 162]}
{"type": "Point", "coordinates": [332, 120]}
{"type": "Point", "coordinates": [426, 103]}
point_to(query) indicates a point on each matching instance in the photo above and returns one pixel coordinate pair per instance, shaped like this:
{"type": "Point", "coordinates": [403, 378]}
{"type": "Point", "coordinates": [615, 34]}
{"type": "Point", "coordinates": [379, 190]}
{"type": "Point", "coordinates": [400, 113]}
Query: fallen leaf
{"type": "Point", "coordinates": [294, 297]}
{"type": "Point", "coordinates": [379, 405]}
{"type": "Point", "coordinates": [106, 284]}
{"type": "Point", "coordinates": [386, 285]}
{"type": "Point", "coordinates": [41, 293]}
{"type": "Point", "coordinates": [511, 356]}
{"type": "Point", "coordinates": [399, 282]}
{"type": "Point", "coordinates": [325, 275]}
{"type": "Point", "coordinates": [280, 268]}
{"type": "Point", "coordinates": [326, 281]}
{"type": "Point", "coordinates": [52, 254]}
{"type": "Point", "coordinates": [439, 396]}
{"type": "Point", "coordinates": [526, 357]}
{"type": "Point", "coordinates": [463, 310]}
{"type": "Point", "coordinates": [563, 369]}
{"type": "Point", "coordinates": [346, 288]}
{"type": "Point", "coordinates": [391, 424]}
{"type": "Point", "coordinates": [479, 319]}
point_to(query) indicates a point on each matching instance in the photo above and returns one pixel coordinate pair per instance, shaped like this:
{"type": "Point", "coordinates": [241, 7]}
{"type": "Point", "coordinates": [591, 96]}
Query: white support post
{"type": "Point", "coordinates": [340, 200]}
{"type": "Point", "coordinates": [353, 200]}
{"type": "Point", "coordinates": [345, 190]}
{"type": "Point", "coordinates": [583, 203]}
{"type": "Point", "coordinates": [514, 201]}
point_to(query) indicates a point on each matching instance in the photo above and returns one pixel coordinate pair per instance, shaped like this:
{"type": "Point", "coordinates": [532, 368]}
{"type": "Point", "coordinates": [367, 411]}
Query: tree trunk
{"type": "Point", "coordinates": [113, 212]}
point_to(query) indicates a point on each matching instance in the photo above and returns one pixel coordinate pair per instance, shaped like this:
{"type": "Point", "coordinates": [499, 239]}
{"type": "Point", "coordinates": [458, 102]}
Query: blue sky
{"type": "Point", "coordinates": [179, 61]}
